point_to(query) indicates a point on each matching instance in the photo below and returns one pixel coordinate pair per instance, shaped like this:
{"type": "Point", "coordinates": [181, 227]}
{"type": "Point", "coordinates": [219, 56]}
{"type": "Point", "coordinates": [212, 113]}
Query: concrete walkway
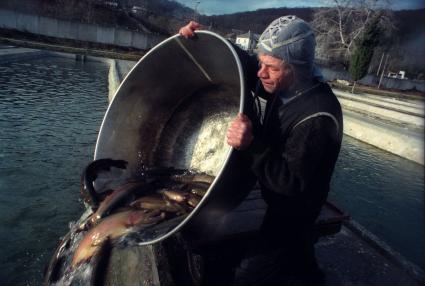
{"type": "Point", "coordinates": [380, 105]}
{"type": "Point", "coordinates": [382, 100]}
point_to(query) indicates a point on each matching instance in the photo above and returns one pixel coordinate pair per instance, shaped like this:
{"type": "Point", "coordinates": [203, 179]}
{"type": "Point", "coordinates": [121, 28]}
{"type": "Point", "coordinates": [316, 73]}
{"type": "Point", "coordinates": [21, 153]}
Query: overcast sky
{"type": "Point", "coordinates": [210, 7]}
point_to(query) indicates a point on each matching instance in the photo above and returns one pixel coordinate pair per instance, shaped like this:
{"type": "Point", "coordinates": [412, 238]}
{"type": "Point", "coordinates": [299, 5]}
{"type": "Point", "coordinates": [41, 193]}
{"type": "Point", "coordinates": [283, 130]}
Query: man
{"type": "Point", "coordinates": [292, 138]}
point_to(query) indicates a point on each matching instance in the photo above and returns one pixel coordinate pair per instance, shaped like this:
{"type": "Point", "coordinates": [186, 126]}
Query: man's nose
{"type": "Point", "coordinates": [262, 72]}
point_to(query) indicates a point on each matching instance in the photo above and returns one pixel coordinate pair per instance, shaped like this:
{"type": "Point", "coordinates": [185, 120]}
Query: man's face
{"type": "Point", "coordinates": [274, 73]}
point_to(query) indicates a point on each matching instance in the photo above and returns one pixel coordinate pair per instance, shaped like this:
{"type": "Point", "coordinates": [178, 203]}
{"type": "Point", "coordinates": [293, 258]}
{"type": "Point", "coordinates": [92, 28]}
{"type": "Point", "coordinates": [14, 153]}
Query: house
{"type": "Point", "coordinates": [113, 4]}
{"type": "Point", "coordinates": [138, 10]}
{"type": "Point", "coordinates": [247, 41]}
{"type": "Point", "coordinates": [400, 75]}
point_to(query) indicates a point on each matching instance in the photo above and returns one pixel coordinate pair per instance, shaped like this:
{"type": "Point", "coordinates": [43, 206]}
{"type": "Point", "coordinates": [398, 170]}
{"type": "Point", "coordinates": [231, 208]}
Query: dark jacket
{"type": "Point", "coordinates": [294, 152]}
{"type": "Point", "coordinates": [295, 149]}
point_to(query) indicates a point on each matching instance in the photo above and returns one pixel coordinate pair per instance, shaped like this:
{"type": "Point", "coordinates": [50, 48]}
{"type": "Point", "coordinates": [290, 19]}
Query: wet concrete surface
{"type": "Point", "coordinates": [349, 260]}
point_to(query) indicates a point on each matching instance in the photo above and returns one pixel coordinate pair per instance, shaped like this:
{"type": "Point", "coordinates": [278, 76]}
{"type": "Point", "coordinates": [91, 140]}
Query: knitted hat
{"type": "Point", "coordinates": [290, 39]}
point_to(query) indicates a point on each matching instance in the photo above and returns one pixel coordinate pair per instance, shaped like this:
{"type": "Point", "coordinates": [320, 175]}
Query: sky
{"type": "Point", "coordinates": [209, 7]}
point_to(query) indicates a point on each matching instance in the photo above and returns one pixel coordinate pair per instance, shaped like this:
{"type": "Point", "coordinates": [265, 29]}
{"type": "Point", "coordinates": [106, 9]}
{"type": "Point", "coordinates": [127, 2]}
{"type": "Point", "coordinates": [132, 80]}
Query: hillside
{"type": "Point", "coordinates": [255, 21]}
{"type": "Point", "coordinates": [166, 15]}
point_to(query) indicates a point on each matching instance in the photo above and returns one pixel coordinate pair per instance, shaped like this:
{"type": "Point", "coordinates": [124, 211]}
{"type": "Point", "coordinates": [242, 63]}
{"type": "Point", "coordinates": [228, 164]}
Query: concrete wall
{"type": "Point", "coordinates": [391, 124]}
{"type": "Point", "coordinates": [396, 140]}
{"type": "Point", "coordinates": [395, 83]}
{"type": "Point", "coordinates": [76, 31]}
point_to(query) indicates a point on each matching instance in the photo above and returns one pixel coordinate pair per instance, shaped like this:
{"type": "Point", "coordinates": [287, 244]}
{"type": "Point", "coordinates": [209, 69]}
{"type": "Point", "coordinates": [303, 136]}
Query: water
{"type": "Point", "coordinates": [385, 193]}
{"type": "Point", "coordinates": [51, 110]}
{"type": "Point", "coordinates": [50, 113]}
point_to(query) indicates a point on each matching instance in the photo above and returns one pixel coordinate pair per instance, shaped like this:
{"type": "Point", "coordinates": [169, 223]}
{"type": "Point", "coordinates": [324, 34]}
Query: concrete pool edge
{"type": "Point", "coordinates": [410, 268]}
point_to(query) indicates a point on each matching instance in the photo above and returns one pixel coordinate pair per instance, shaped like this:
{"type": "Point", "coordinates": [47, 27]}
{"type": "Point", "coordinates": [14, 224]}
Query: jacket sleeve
{"type": "Point", "coordinates": [289, 168]}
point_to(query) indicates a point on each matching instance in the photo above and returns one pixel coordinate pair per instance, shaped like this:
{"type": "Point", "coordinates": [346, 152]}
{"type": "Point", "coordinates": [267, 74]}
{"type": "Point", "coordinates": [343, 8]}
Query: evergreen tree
{"type": "Point", "coordinates": [362, 56]}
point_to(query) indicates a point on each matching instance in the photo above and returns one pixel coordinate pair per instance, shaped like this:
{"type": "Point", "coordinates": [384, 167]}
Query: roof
{"type": "Point", "coordinates": [249, 35]}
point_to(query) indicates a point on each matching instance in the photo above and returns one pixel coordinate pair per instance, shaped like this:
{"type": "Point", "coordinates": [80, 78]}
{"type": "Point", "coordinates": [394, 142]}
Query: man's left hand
{"type": "Point", "coordinates": [239, 134]}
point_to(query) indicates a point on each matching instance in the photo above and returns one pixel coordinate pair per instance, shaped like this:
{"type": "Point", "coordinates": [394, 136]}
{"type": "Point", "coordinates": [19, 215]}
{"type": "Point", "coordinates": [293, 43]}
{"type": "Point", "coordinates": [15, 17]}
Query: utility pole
{"type": "Point", "coordinates": [383, 71]}
{"type": "Point", "coordinates": [379, 67]}
{"type": "Point", "coordinates": [89, 11]}
{"type": "Point", "coordinates": [195, 11]}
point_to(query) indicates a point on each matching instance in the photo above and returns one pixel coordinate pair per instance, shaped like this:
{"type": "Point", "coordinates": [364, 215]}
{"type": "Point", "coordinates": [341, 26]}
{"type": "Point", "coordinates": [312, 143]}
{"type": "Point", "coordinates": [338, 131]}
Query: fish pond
{"type": "Point", "coordinates": [50, 113]}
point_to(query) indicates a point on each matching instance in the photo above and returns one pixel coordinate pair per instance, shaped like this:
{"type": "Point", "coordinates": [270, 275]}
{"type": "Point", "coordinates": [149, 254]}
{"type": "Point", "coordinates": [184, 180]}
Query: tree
{"type": "Point", "coordinates": [360, 59]}
{"type": "Point", "coordinates": [339, 27]}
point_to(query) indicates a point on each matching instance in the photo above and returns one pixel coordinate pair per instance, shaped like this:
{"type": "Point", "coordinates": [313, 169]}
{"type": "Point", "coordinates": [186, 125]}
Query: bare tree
{"type": "Point", "coordinates": [340, 26]}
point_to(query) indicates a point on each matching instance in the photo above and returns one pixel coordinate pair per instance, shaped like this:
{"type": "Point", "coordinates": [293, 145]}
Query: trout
{"type": "Point", "coordinates": [198, 178]}
{"type": "Point", "coordinates": [112, 228]}
{"type": "Point", "coordinates": [193, 200]}
{"type": "Point", "coordinates": [51, 272]}
{"type": "Point", "coordinates": [157, 203]}
{"type": "Point", "coordinates": [198, 191]}
{"type": "Point", "coordinates": [174, 195]}
{"type": "Point", "coordinates": [115, 199]}
{"type": "Point", "coordinates": [88, 193]}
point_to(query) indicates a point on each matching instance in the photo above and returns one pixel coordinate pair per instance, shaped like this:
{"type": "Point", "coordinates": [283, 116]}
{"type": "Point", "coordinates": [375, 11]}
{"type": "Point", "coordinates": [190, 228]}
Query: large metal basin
{"type": "Point", "coordinates": [173, 110]}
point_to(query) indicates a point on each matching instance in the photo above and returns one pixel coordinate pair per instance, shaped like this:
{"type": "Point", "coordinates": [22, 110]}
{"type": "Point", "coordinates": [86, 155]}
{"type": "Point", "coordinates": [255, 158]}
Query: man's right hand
{"type": "Point", "coordinates": [188, 31]}
{"type": "Point", "coordinates": [239, 134]}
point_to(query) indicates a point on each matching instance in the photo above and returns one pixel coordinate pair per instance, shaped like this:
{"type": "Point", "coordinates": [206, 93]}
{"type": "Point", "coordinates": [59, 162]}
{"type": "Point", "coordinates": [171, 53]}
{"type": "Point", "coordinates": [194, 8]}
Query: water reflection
{"type": "Point", "coordinates": [385, 193]}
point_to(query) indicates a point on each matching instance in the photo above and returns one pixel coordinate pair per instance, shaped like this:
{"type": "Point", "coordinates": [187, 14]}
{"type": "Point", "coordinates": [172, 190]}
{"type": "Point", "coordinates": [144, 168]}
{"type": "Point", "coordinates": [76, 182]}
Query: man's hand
{"type": "Point", "coordinates": [239, 134]}
{"type": "Point", "coordinates": [188, 31]}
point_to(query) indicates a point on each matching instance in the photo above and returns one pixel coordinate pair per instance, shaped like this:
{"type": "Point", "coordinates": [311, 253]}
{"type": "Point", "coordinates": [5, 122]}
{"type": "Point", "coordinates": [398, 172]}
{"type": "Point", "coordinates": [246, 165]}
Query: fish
{"type": "Point", "coordinates": [112, 227]}
{"type": "Point", "coordinates": [89, 175]}
{"type": "Point", "coordinates": [115, 199]}
{"type": "Point", "coordinates": [52, 270]}
{"type": "Point", "coordinates": [193, 200]}
{"type": "Point", "coordinates": [162, 171]}
{"type": "Point", "coordinates": [174, 195]}
{"type": "Point", "coordinates": [198, 185]}
{"type": "Point", "coordinates": [199, 191]}
{"type": "Point", "coordinates": [157, 203]}
{"type": "Point", "coordinates": [192, 178]}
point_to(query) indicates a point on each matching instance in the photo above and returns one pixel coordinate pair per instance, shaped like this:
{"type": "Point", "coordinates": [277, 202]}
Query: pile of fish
{"type": "Point", "coordinates": [152, 203]}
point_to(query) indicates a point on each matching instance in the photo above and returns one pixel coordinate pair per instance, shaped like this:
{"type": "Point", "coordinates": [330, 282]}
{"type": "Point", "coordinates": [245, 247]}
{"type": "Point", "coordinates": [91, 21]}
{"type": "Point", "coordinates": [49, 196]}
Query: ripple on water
{"type": "Point", "coordinates": [51, 110]}
{"type": "Point", "coordinates": [384, 193]}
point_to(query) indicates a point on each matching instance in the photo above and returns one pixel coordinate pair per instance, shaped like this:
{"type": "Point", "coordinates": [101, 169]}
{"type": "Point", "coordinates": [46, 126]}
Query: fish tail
{"type": "Point", "coordinates": [90, 174]}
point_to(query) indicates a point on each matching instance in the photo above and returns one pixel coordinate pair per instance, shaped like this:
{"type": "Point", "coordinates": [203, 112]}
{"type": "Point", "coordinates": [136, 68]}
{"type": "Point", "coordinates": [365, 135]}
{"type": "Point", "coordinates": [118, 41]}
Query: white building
{"type": "Point", "coordinates": [138, 9]}
{"type": "Point", "coordinates": [113, 4]}
{"type": "Point", "coordinates": [400, 75]}
{"type": "Point", "coordinates": [247, 41]}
